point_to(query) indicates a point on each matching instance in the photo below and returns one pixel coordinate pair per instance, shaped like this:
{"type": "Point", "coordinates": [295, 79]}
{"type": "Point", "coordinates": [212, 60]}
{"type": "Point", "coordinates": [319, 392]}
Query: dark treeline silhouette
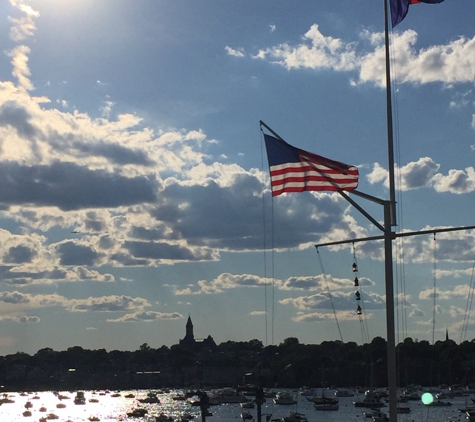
{"type": "Point", "coordinates": [289, 364]}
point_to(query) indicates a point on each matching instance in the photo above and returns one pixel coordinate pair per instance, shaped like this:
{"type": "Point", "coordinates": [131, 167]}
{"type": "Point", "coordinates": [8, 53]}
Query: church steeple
{"type": "Point", "coordinates": [189, 329]}
{"type": "Point", "coordinates": [190, 343]}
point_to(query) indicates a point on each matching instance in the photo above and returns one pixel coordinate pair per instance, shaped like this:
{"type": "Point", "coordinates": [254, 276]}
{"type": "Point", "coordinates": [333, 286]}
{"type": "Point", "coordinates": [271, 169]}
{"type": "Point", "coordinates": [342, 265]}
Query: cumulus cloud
{"type": "Point", "coordinates": [325, 316]}
{"type": "Point", "coordinates": [460, 291]}
{"type": "Point", "coordinates": [338, 300]}
{"type": "Point", "coordinates": [316, 52]}
{"type": "Point", "coordinates": [456, 246]}
{"type": "Point", "coordinates": [416, 312]}
{"type": "Point", "coordinates": [23, 26]}
{"type": "Point", "coordinates": [147, 316]}
{"type": "Point", "coordinates": [111, 303]}
{"type": "Point", "coordinates": [234, 52]}
{"type": "Point", "coordinates": [450, 63]}
{"type": "Point", "coordinates": [21, 319]}
{"type": "Point", "coordinates": [423, 173]}
{"type": "Point", "coordinates": [225, 282]}
{"type": "Point", "coordinates": [14, 297]}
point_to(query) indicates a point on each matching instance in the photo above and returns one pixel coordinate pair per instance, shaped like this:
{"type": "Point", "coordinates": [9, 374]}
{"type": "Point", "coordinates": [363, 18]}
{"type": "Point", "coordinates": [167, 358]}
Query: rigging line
{"type": "Point", "coordinates": [400, 263]}
{"type": "Point", "coordinates": [468, 306]}
{"type": "Point", "coordinates": [435, 288]}
{"type": "Point", "coordinates": [471, 298]}
{"type": "Point", "coordinates": [328, 291]}
{"type": "Point", "coordinates": [272, 258]}
{"type": "Point", "coordinates": [361, 295]}
{"type": "Point", "coordinates": [273, 271]}
{"type": "Point", "coordinates": [363, 339]}
{"type": "Point", "coordinates": [264, 244]}
{"type": "Point", "coordinates": [397, 298]}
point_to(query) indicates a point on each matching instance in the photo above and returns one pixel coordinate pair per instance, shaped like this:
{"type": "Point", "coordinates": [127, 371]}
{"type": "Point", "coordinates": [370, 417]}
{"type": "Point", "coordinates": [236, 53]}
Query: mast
{"type": "Point", "coordinates": [389, 221]}
{"type": "Point", "coordinates": [389, 117]}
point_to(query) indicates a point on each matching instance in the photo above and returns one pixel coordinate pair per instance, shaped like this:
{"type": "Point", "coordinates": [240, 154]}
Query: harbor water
{"type": "Point", "coordinates": [111, 406]}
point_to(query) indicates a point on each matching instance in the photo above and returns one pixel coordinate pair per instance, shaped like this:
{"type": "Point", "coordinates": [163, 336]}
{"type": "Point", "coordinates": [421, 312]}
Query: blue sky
{"type": "Point", "coordinates": [135, 184]}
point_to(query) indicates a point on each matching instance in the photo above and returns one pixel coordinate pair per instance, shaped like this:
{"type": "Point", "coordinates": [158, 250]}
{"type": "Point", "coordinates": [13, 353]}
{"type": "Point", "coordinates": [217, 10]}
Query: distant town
{"type": "Point", "coordinates": [204, 364]}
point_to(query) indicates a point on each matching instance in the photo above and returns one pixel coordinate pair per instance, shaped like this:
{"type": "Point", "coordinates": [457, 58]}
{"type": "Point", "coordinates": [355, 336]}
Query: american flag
{"type": "Point", "coordinates": [295, 170]}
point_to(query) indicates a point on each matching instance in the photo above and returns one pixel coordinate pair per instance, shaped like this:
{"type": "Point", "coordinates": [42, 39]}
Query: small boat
{"type": "Point", "coordinates": [60, 405]}
{"type": "Point", "coordinates": [326, 406]}
{"type": "Point", "coordinates": [80, 399]}
{"type": "Point", "coordinates": [6, 399]}
{"type": "Point", "coordinates": [27, 413]}
{"type": "Point", "coordinates": [28, 405]}
{"type": "Point", "coordinates": [164, 418]}
{"type": "Point", "coordinates": [42, 409]}
{"type": "Point", "coordinates": [93, 400]}
{"type": "Point", "coordinates": [380, 418]}
{"type": "Point", "coordinates": [371, 400]}
{"type": "Point", "coordinates": [137, 413]}
{"type": "Point", "coordinates": [229, 395]}
{"type": "Point", "coordinates": [322, 399]}
{"type": "Point", "coordinates": [343, 393]}
{"type": "Point", "coordinates": [93, 419]}
{"type": "Point", "coordinates": [51, 416]}
{"type": "Point", "coordinates": [246, 415]}
{"type": "Point", "coordinates": [285, 398]}
{"type": "Point", "coordinates": [295, 417]}
{"type": "Point", "coordinates": [151, 398]}
{"type": "Point", "coordinates": [439, 403]}
{"type": "Point", "coordinates": [411, 394]}
{"type": "Point", "coordinates": [372, 413]}
{"type": "Point", "coordinates": [248, 405]}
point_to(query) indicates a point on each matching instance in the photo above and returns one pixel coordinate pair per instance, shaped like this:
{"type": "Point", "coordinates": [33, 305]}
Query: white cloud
{"type": "Point", "coordinates": [456, 181]}
{"type": "Point", "coordinates": [316, 52]}
{"type": "Point", "coordinates": [21, 71]}
{"type": "Point", "coordinates": [234, 52]}
{"type": "Point", "coordinates": [449, 64]}
{"type": "Point", "coordinates": [417, 174]}
{"type": "Point", "coordinates": [461, 291]}
{"type": "Point", "coordinates": [20, 319]}
{"type": "Point", "coordinates": [424, 173]}
{"type": "Point", "coordinates": [24, 26]}
{"type": "Point", "coordinates": [147, 316]}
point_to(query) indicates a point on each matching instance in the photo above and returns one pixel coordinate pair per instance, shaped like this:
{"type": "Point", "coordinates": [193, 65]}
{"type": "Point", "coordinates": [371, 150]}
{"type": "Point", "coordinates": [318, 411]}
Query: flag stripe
{"type": "Point", "coordinates": [296, 170]}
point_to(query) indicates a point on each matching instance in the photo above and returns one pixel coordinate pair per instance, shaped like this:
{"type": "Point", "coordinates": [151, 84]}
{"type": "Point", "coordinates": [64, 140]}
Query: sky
{"type": "Point", "coordinates": [135, 181]}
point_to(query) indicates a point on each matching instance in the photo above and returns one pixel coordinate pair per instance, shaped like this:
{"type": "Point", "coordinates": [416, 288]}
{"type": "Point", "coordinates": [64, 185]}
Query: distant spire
{"type": "Point", "coordinates": [446, 334]}
{"type": "Point", "coordinates": [189, 330]}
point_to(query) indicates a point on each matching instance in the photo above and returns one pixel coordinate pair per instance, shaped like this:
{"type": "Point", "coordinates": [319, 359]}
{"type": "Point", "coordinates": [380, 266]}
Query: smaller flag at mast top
{"type": "Point", "coordinates": [399, 8]}
{"type": "Point", "coordinates": [295, 170]}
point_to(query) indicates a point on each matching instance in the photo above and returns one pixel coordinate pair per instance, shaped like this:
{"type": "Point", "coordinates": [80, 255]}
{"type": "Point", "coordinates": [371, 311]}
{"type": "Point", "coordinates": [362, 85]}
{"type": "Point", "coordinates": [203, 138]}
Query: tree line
{"type": "Point", "coordinates": [288, 364]}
